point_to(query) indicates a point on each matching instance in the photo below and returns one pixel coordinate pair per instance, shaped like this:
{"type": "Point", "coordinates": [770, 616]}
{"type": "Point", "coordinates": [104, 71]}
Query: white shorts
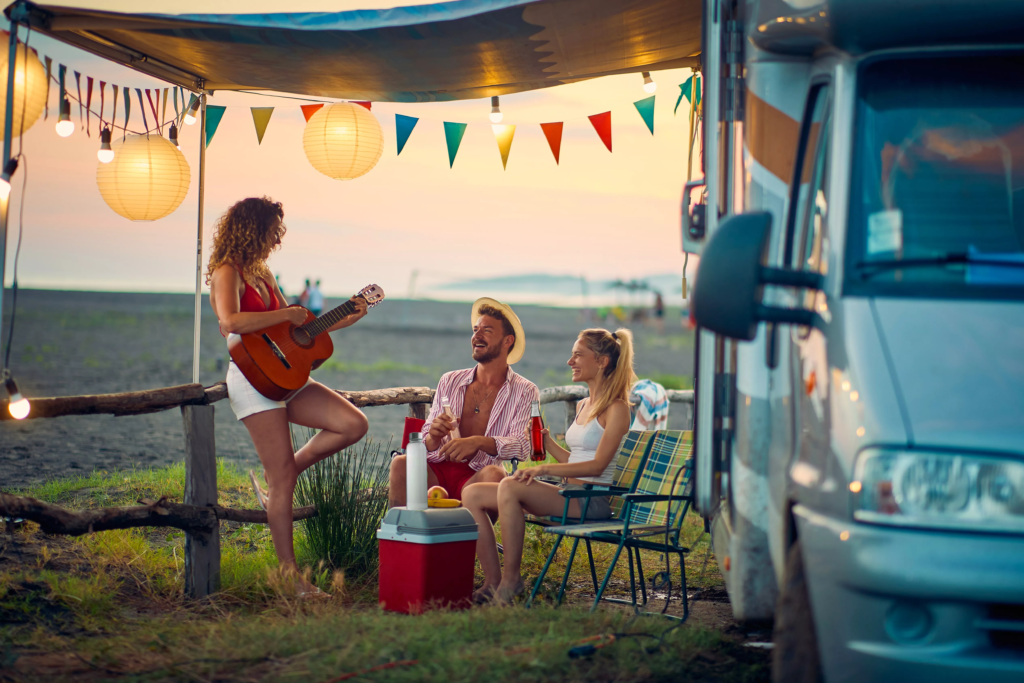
{"type": "Point", "coordinates": [244, 398]}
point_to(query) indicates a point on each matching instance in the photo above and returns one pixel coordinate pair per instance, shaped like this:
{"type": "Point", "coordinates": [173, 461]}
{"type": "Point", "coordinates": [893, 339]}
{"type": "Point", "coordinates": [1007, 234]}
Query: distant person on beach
{"type": "Point", "coordinates": [277, 280]}
{"type": "Point", "coordinates": [303, 298]}
{"type": "Point", "coordinates": [246, 298]}
{"type": "Point", "coordinates": [659, 313]}
{"type": "Point", "coordinates": [604, 360]}
{"type": "Point", "coordinates": [315, 301]}
{"type": "Point", "coordinates": [491, 405]}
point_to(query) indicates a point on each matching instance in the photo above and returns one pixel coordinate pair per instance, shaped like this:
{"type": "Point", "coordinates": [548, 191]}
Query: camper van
{"type": "Point", "coordinates": [860, 311]}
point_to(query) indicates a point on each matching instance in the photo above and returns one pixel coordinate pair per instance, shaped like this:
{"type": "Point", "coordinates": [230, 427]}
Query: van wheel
{"type": "Point", "coordinates": [795, 655]}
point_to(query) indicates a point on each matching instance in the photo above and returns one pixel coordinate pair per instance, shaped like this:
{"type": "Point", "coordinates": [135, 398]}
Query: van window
{"type": "Point", "coordinates": [937, 198]}
{"type": "Point", "coordinates": [808, 152]}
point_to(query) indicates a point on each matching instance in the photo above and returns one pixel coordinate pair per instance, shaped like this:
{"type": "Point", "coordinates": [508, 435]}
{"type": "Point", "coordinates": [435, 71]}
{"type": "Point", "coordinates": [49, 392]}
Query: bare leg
{"type": "Point", "coordinates": [515, 497]}
{"type": "Point", "coordinates": [396, 481]}
{"type": "Point", "coordinates": [340, 422]}
{"type": "Point", "coordinates": [269, 432]}
{"type": "Point", "coordinates": [480, 499]}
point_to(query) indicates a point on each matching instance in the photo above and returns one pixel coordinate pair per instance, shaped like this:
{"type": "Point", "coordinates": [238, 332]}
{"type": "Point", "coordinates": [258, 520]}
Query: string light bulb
{"type": "Point", "coordinates": [649, 84]}
{"type": "Point", "coordinates": [190, 115]}
{"type": "Point", "coordinates": [5, 178]}
{"type": "Point", "coordinates": [65, 126]}
{"type": "Point", "coordinates": [18, 406]}
{"type": "Point", "coordinates": [496, 115]}
{"type": "Point", "coordinates": [105, 154]}
{"type": "Point", "coordinates": [173, 137]}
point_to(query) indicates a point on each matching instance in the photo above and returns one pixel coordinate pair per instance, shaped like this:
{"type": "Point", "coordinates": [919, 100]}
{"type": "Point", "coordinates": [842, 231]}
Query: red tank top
{"type": "Point", "coordinates": [252, 301]}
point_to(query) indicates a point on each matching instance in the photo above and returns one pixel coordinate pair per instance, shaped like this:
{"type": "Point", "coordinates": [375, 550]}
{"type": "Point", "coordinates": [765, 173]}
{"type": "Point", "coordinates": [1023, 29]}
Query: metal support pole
{"type": "Point", "coordinates": [12, 59]}
{"type": "Point", "coordinates": [199, 238]}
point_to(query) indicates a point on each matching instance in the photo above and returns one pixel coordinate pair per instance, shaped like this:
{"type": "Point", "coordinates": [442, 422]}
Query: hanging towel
{"type": "Point", "coordinates": [651, 402]}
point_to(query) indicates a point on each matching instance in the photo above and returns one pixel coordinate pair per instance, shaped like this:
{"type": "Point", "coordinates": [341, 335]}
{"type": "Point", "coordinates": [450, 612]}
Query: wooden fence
{"type": "Point", "coordinates": [199, 515]}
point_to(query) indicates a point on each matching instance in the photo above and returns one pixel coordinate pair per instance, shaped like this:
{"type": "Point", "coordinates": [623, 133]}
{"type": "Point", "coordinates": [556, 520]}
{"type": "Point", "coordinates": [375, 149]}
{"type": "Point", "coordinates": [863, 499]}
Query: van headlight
{"type": "Point", "coordinates": [947, 490]}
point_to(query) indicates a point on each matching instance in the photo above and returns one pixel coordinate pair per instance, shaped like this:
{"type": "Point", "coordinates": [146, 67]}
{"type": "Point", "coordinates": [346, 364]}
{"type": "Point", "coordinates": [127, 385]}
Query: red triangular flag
{"type": "Point", "coordinates": [603, 126]}
{"type": "Point", "coordinates": [310, 109]}
{"type": "Point", "coordinates": [368, 105]}
{"type": "Point", "coordinates": [553, 132]}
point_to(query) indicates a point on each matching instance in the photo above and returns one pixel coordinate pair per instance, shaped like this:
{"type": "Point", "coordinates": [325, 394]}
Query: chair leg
{"type": "Point", "coordinates": [543, 572]}
{"type": "Point", "coordinates": [682, 583]}
{"type": "Point", "coordinates": [640, 575]}
{"type": "Point", "coordinates": [632, 579]}
{"type": "Point", "coordinates": [568, 570]}
{"type": "Point", "coordinates": [607, 575]}
{"type": "Point", "coordinates": [593, 569]}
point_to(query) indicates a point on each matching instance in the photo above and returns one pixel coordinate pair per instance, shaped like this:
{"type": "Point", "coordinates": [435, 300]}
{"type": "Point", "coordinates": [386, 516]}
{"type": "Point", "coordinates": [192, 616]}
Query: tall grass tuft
{"type": "Point", "coordinates": [350, 492]}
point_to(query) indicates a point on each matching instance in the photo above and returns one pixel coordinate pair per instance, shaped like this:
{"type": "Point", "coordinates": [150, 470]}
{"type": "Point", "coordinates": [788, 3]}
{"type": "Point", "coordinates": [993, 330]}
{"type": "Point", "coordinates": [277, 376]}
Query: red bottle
{"type": "Point", "coordinates": [538, 453]}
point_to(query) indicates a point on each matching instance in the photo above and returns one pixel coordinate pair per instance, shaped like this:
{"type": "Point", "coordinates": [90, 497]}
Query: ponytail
{"type": "Point", "coordinates": [618, 374]}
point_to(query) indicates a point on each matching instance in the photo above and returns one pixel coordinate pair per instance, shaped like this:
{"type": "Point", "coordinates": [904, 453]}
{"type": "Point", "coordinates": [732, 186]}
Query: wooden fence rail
{"type": "Point", "coordinates": [199, 514]}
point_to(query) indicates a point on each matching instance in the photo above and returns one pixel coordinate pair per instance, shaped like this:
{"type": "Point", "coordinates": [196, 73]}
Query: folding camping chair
{"type": "Point", "coordinates": [641, 518]}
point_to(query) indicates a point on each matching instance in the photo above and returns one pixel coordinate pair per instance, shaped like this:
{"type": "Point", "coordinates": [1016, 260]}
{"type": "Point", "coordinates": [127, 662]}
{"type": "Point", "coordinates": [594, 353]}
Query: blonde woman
{"type": "Point", "coordinates": [245, 297]}
{"type": "Point", "coordinates": [604, 360]}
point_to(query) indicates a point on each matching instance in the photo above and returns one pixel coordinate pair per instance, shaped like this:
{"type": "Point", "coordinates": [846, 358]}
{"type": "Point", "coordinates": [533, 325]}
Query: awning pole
{"type": "Point", "coordinates": [199, 238]}
{"type": "Point", "coordinates": [12, 59]}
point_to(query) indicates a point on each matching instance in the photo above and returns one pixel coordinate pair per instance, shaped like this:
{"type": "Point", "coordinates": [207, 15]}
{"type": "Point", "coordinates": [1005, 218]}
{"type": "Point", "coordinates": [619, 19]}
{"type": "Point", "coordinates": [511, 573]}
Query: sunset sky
{"type": "Point", "coordinates": [597, 214]}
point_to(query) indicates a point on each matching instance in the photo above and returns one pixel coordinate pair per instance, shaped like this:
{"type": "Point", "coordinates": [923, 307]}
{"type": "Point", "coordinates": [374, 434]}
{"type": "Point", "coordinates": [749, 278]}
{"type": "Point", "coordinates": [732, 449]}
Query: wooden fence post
{"type": "Point", "coordinates": [202, 549]}
{"type": "Point", "coordinates": [418, 410]}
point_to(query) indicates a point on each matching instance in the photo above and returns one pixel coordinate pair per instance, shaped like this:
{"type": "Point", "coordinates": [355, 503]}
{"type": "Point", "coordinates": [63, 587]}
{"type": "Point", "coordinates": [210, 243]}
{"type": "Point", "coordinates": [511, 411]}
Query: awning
{"type": "Point", "coordinates": [446, 51]}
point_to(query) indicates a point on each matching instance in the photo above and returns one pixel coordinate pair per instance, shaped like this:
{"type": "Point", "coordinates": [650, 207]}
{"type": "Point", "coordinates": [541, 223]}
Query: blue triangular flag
{"type": "Point", "coordinates": [646, 109]}
{"type": "Point", "coordinates": [213, 116]}
{"type": "Point", "coordinates": [403, 129]}
{"type": "Point", "coordinates": [686, 88]}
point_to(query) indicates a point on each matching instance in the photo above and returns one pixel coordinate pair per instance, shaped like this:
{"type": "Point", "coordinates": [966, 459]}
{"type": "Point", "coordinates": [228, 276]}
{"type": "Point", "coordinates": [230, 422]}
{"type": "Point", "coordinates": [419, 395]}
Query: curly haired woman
{"type": "Point", "coordinates": [245, 298]}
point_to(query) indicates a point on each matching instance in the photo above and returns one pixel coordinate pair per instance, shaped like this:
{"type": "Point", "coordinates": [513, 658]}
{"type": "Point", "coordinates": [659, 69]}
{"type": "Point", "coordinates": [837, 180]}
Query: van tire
{"type": "Point", "coordinates": [795, 655]}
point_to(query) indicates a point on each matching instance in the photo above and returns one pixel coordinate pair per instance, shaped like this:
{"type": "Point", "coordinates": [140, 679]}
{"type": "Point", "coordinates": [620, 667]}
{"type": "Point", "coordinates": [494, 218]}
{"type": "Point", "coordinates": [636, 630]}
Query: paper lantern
{"type": "Point", "coordinates": [147, 179]}
{"type": "Point", "coordinates": [29, 87]}
{"type": "Point", "coordinates": [343, 141]}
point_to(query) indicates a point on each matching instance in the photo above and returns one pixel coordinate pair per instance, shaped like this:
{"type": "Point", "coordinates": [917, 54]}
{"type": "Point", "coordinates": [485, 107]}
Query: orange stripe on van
{"type": "Point", "coordinates": [771, 137]}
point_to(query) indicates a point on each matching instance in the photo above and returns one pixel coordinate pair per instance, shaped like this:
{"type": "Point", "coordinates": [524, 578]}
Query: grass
{"type": "Point", "coordinates": [109, 606]}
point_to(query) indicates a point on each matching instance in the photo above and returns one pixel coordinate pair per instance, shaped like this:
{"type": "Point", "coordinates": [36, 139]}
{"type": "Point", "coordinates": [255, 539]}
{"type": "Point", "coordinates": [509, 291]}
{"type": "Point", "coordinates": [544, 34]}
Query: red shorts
{"type": "Point", "coordinates": [452, 476]}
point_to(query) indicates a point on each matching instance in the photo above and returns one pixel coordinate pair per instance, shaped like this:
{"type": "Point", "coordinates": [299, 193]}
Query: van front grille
{"type": "Point", "coordinates": [1005, 627]}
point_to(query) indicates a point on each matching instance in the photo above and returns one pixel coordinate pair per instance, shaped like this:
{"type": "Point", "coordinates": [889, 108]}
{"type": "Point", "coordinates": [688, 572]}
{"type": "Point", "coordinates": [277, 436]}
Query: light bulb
{"type": "Point", "coordinates": [18, 406]}
{"type": "Point", "coordinates": [189, 119]}
{"type": "Point", "coordinates": [172, 136]}
{"type": "Point", "coordinates": [104, 153]}
{"type": "Point", "coordinates": [496, 115]}
{"type": "Point", "coordinates": [5, 179]}
{"type": "Point", "coordinates": [5, 189]}
{"type": "Point", "coordinates": [649, 84]}
{"type": "Point", "coordinates": [190, 115]}
{"type": "Point", "coordinates": [65, 126]}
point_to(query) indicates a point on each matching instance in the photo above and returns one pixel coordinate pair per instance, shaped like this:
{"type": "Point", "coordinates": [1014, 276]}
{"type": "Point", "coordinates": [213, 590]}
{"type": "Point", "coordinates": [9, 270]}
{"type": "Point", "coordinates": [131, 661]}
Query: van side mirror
{"type": "Point", "coordinates": [731, 280]}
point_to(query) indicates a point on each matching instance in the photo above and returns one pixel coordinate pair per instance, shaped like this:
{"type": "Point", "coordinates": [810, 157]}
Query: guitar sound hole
{"type": "Point", "coordinates": [301, 337]}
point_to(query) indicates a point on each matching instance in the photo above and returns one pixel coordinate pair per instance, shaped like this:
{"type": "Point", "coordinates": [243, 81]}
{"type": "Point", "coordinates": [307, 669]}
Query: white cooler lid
{"type": "Point", "coordinates": [433, 525]}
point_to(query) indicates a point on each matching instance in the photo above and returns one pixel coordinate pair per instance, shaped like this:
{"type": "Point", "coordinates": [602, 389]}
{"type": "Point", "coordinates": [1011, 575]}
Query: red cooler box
{"type": "Point", "coordinates": [427, 559]}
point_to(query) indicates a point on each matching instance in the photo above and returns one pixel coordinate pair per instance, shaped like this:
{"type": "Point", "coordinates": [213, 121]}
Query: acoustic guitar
{"type": "Point", "coordinates": [277, 360]}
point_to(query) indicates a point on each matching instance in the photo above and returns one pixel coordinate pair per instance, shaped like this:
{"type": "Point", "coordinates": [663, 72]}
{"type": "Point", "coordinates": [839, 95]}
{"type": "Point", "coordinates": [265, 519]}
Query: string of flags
{"type": "Point", "coordinates": [157, 100]}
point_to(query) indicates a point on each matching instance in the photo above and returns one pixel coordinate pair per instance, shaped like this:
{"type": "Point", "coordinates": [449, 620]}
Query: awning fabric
{"type": "Point", "coordinates": [446, 51]}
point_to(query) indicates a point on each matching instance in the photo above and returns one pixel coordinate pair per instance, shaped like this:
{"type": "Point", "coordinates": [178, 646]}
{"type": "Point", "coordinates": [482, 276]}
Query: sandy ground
{"type": "Point", "coordinates": [72, 343]}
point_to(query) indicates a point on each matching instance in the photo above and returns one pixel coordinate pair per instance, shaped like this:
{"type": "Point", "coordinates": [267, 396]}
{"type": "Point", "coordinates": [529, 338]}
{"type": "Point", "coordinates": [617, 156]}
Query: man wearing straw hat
{"type": "Point", "coordinates": [491, 407]}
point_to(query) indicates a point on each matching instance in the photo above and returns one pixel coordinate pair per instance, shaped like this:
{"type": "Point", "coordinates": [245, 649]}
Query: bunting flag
{"type": "Point", "coordinates": [163, 111]}
{"type": "Point", "coordinates": [310, 109]}
{"type": "Point", "coordinates": [603, 125]}
{"type": "Point", "coordinates": [403, 129]}
{"type": "Point", "coordinates": [453, 133]}
{"type": "Point", "coordinates": [142, 106]}
{"type": "Point", "coordinates": [88, 105]}
{"type": "Point", "coordinates": [504, 135]}
{"type": "Point", "coordinates": [686, 88]}
{"type": "Point", "coordinates": [113, 115]}
{"type": "Point", "coordinates": [78, 87]}
{"type": "Point", "coordinates": [368, 105]}
{"type": "Point", "coordinates": [152, 108]}
{"type": "Point", "coordinates": [177, 112]}
{"type": "Point", "coordinates": [103, 97]}
{"type": "Point", "coordinates": [646, 109]}
{"type": "Point", "coordinates": [260, 118]}
{"type": "Point", "coordinates": [127, 108]}
{"type": "Point", "coordinates": [192, 100]}
{"type": "Point", "coordinates": [213, 116]}
{"type": "Point", "coordinates": [553, 132]}
{"type": "Point", "coordinates": [49, 76]}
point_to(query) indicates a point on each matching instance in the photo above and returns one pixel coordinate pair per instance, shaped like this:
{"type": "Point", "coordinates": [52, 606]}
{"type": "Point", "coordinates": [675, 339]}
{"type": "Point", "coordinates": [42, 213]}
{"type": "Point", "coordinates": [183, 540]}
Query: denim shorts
{"type": "Point", "coordinates": [600, 507]}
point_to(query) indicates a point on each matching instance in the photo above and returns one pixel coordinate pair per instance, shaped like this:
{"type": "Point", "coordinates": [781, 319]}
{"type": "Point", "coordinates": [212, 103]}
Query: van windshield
{"type": "Point", "coordinates": [937, 202]}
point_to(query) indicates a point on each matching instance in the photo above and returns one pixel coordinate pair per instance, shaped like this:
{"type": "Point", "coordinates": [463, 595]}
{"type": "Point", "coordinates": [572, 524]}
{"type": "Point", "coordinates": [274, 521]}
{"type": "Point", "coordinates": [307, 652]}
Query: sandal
{"type": "Point", "coordinates": [483, 596]}
{"type": "Point", "coordinates": [261, 495]}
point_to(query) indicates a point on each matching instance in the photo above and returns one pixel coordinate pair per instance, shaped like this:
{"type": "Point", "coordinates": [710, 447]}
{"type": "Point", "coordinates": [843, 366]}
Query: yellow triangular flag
{"type": "Point", "coordinates": [504, 135]}
{"type": "Point", "coordinates": [261, 117]}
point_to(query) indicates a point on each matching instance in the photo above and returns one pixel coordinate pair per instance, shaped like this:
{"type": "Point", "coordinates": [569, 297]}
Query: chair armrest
{"type": "Point", "coordinates": [591, 493]}
{"type": "Point", "coordinates": [649, 497]}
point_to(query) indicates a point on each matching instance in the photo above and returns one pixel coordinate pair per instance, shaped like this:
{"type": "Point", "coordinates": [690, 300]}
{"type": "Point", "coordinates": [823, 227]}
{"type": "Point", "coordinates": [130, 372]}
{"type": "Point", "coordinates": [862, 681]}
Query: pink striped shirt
{"type": "Point", "coordinates": [508, 420]}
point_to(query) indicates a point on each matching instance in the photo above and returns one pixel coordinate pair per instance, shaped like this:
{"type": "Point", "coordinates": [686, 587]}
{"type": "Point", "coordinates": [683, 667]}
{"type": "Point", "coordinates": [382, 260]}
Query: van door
{"type": "Point", "coordinates": [786, 387]}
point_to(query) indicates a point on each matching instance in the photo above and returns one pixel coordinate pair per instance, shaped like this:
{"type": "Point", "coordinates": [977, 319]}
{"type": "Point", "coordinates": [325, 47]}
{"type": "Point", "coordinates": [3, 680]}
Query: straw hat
{"type": "Point", "coordinates": [515, 354]}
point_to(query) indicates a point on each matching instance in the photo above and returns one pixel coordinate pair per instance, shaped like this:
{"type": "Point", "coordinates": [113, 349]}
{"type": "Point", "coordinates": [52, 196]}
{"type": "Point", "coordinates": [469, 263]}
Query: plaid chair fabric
{"type": "Point", "coordinates": [672, 451]}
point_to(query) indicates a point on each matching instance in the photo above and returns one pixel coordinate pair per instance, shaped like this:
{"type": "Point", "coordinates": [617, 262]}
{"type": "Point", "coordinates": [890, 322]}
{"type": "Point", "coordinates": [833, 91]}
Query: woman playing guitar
{"type": "Point", "coordinates": [245, 298]}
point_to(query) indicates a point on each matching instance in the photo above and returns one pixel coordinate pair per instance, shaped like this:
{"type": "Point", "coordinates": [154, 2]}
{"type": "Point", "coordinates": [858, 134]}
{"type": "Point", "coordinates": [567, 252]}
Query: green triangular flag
{"type": "Point", "coordinates": [213, 116]}
{"type": "Point", "coordinates": [646, 109]}
{"type": "Point", "coordinates": [686, 88]}
{"type": "Point", "coordinates": [261, 119]}
{"type": "Point", "coordinates": [453, 133]}
{"type": "Point", "coordinates": [403, 129]}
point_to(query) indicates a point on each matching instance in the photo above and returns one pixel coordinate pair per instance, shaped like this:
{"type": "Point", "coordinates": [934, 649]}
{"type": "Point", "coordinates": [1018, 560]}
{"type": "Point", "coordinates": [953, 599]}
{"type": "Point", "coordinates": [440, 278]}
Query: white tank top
{"type": "Point", "coordinates": [583, 441]}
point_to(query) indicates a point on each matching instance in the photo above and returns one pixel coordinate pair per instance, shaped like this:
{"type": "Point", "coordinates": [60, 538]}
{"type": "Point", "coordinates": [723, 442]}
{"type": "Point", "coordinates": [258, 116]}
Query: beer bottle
{"type": "Point", "coordinates": [538, 453]}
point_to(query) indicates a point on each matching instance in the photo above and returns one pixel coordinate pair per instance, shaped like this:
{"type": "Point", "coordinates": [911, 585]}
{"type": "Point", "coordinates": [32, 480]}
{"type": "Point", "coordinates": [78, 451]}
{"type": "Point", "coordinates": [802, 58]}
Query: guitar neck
{"type": "Point", "coordinates": [329, 319]}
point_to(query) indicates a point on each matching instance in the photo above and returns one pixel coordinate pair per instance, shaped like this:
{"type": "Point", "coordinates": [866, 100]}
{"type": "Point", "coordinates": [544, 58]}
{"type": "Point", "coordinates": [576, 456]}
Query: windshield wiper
{"type": "Point", "coordinates": [869, 268]}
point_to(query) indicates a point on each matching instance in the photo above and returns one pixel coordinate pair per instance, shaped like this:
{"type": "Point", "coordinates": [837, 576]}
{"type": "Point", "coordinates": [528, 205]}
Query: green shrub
{"type": "Point", "coordinates": [350, 492]}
